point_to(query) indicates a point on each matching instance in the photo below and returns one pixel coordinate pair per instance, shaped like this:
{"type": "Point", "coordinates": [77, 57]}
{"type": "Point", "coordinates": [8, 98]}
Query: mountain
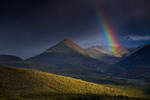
{"type": "Point", "coordinates": [80, 70]}
{"type": "Point", "coordinates": [103, 53]}
{"type": "Point", "coordinates": [99, 53]}
{"type": "Point", "coordinates": [25, 84]}
{"type": "Point", "coordinates": [67, 54]}
{"type": "Point", "coordinates": [65, 46]}
{"type": "Point", "coordinates": [9, 58]}
{"type": "Point", "coordinates": [121, 51]}
{"type": "Point", "coordinates": [135, 65]}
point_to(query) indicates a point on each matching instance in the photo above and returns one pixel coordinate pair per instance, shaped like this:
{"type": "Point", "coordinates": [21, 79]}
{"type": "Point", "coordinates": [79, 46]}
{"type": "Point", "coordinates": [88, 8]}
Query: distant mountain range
{"type": "Point", "coordinates": [69, 59]}
{"type": "Point", "coordinates": [121, 51]}
{"type": "Point", "coordinates": [98, 52]}
{"type": "Point", "coordinates": [67, 54]}
{"type": "Point", "coordinates": [103, 53]}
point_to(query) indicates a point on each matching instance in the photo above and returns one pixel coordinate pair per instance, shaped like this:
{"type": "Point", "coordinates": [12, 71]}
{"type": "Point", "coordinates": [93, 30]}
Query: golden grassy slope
{"type": "Point", "coordinates": [25, 82]}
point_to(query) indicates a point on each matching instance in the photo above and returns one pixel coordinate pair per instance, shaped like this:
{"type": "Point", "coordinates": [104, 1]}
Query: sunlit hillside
{"type": "Point", "coordinates": [20, 84]}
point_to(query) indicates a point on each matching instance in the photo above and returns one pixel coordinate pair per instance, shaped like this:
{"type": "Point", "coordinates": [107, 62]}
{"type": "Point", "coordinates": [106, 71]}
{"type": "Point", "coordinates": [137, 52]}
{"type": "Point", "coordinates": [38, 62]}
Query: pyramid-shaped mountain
{"type": "Point", "coordinates": [136, 65]}
{"type": "Point", "coordinates": [67, 54]}
{"type": "Point", "coordinates": [66, 46]}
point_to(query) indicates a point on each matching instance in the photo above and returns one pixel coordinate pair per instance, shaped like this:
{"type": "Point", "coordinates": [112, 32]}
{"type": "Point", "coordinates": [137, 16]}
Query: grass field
{"type": "Point", "coordinates": [25, 84]}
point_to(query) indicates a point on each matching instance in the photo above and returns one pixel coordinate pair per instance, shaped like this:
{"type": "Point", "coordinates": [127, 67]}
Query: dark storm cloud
{"type": "Point", "coordinates": [29, 26]}
{"type": "Point", "coordinates": [128, 15]}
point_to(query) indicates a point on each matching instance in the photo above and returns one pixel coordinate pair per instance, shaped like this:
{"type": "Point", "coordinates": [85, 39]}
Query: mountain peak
{"type": "Point", "coordinates": [66, 45]}
{"type": "Point", "coordinates": [67, 41]}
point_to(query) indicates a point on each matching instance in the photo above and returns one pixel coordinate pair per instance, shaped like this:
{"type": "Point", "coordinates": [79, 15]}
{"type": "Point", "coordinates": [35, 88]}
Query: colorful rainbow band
{"type": "Point", "coordinates": [107, 30]}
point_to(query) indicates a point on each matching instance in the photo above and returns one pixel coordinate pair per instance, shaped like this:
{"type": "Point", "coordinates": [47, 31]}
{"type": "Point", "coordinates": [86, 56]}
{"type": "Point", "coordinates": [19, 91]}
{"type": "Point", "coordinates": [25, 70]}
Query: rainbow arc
{"type": "Point", "coordinates": [107, 30]}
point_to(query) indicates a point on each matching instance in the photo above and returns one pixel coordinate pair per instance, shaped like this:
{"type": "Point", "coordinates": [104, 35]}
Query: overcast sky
{"type": "Point", "coordinates": [28, 27]}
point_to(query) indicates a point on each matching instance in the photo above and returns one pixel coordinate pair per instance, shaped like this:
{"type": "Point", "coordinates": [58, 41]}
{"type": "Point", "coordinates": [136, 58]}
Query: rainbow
{"type": "Point", "coordinates": [106, 30]}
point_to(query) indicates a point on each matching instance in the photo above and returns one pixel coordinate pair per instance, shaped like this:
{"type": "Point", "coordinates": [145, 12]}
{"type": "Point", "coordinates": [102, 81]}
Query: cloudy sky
{"type": "Point", "coordinates": [28, 27]}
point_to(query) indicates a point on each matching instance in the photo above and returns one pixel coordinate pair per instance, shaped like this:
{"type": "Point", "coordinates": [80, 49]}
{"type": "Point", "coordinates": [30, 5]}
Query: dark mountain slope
{"type": "Point", "coordinates": [135, 65]}
{"type": "Point", "coordinates": [140, 56]}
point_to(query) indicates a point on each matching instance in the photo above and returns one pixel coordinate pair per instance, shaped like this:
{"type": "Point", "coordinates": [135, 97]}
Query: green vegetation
{"type": "Point", "coordinates": [25, 84]}
{"type": "Point", "coordinates": [76, 72]}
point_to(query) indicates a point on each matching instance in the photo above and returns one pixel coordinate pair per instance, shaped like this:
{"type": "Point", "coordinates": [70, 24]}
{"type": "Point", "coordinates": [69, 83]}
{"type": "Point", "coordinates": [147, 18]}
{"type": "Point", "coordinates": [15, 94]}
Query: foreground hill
{"type": "Point", "coordinates": [19, 84]}
{"type": "Point", "coordinates": [79, 73]}
{"type": "Point", "coordinates": [68, 54]}
{"type": "Point", "coordinates": [135, 65]}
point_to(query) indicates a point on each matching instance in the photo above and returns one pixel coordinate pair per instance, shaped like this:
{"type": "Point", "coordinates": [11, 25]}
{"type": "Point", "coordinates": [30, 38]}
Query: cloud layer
{"type": "Point", "coordinates": [140, 38]}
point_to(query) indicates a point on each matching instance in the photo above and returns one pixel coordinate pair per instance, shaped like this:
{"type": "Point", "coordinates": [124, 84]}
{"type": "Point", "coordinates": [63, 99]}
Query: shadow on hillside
{"type": "Point", "coordinates": [69, 97]}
